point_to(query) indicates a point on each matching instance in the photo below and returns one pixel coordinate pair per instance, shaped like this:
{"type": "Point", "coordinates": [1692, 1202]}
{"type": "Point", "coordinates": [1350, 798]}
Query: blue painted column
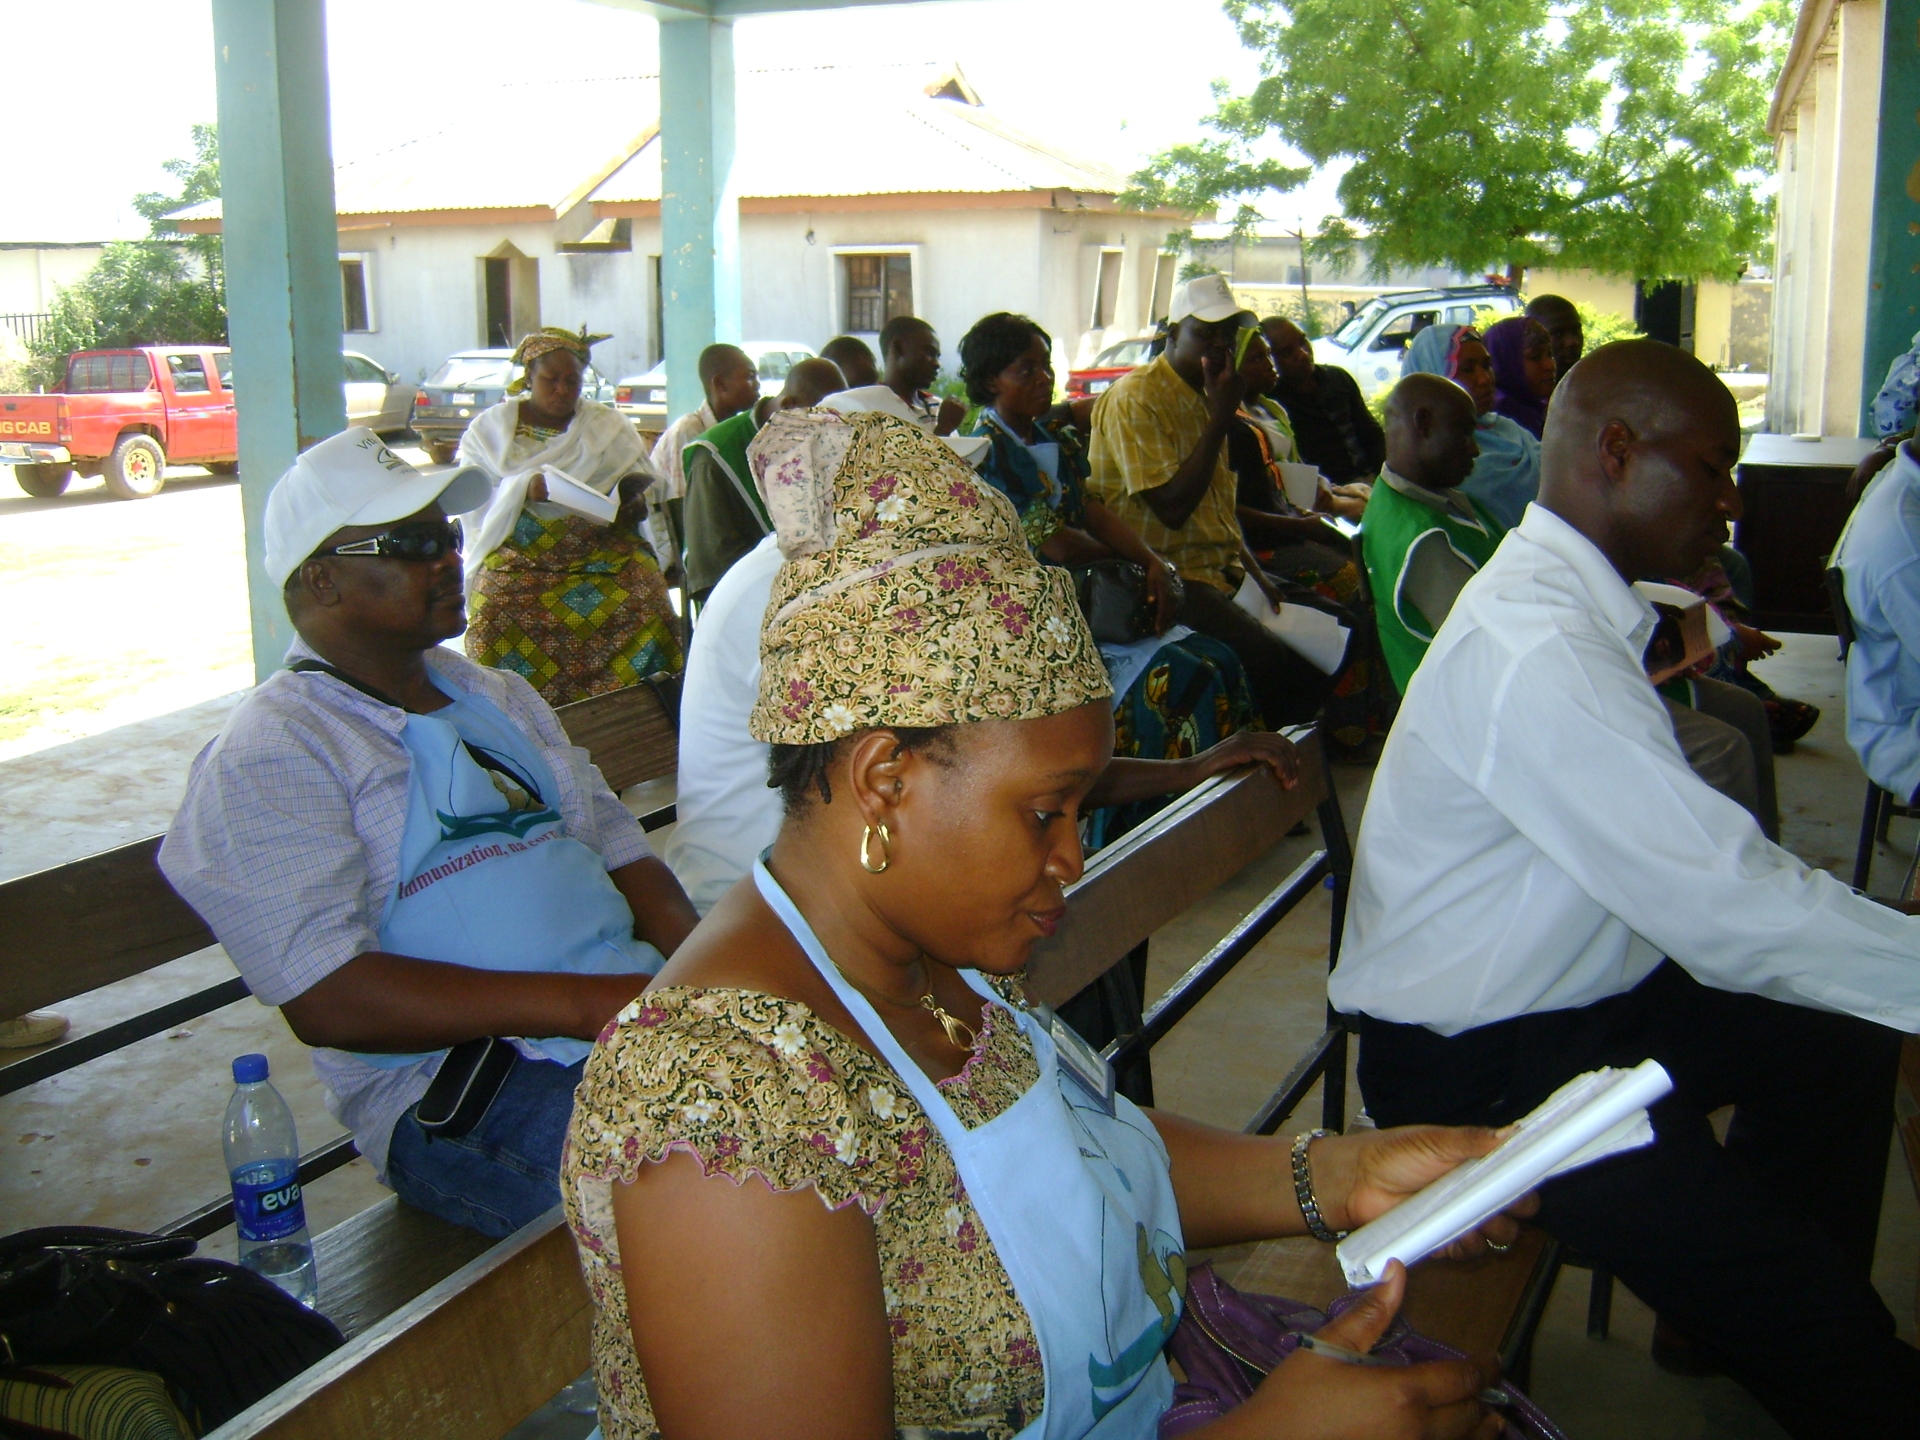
{"type": "Point", "coordinates": [699, 210]}
{"type": "Point", "coordinates": [1893, 273]}
{"type": "Point", "coordinates": [283, 261]}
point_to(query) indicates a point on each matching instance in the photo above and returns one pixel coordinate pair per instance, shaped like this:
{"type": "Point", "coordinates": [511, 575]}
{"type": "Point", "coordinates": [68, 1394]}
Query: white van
{"type": "Point", "coordinates": [1369, 345]}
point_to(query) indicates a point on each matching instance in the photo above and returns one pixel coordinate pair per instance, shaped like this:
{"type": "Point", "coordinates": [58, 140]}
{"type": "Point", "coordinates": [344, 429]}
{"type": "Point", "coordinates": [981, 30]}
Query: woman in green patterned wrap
{"type": "Point", "coordinates": [575, 605]}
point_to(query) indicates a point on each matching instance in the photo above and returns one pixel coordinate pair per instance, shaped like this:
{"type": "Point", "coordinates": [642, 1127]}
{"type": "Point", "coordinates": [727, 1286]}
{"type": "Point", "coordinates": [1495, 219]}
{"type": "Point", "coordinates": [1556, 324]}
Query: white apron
{"type": "Point", "coordinates": [1079, 1204]}
{"type": "Point", "coordinates": [486, 884]}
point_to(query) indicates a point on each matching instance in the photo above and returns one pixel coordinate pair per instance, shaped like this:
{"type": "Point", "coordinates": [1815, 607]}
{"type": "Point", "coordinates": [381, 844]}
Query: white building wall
{"type": "Point", "coordinates": [427, 301]}
{"type": "Point", "coordinates": [29, 275]}
{"type": "Point", "coordinates": [1823, 231]}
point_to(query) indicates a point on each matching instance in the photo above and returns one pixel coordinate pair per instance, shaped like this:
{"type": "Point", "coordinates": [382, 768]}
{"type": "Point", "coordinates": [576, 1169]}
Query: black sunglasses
{"type": "Point", "coordinates": [414, 540]}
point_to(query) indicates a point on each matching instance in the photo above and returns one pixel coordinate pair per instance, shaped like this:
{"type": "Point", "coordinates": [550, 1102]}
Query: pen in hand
{"type": "Point", "coordinates": [1493, 1395]}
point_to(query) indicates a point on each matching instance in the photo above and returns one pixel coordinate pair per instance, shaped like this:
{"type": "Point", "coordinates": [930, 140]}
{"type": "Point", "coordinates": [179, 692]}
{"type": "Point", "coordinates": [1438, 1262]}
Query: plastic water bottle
{"type": "Point", "coordinates": [263, 1157]}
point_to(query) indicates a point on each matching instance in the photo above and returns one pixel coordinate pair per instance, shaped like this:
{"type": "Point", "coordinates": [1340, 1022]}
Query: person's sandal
{"type": "Point", "coordinates": [1789, 721]}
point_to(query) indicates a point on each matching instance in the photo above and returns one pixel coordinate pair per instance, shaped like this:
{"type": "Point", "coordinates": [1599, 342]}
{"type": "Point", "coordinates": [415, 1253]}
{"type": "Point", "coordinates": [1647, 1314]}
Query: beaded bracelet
{"type": "Point", "coordinates": [1303, 1189]}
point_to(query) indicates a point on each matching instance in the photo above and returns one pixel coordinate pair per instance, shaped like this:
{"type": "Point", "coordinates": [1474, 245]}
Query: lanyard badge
{"type": "Point", "coordinates": [1090, 1071]}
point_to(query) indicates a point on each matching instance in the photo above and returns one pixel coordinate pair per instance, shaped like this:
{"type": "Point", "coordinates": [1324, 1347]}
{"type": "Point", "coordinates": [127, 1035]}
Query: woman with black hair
{"type": "Point", "coordinates": [1175, 692]}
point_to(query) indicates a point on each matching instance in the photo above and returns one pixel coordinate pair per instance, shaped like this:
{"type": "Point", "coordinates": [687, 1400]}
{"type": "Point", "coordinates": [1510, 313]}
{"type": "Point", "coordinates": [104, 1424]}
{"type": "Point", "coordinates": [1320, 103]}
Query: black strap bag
{"type": "Point", "coordinates": [219, 1335]}
{"type": "Point", "coordinates": [1116, 601]}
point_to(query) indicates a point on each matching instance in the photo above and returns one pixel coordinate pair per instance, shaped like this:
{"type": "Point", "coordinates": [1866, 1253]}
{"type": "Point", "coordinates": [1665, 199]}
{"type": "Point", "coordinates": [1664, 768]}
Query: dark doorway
{"type": "Point", "coordinates": [499, 304]}
{"type": "Point", "coordinates": [1664, 311]}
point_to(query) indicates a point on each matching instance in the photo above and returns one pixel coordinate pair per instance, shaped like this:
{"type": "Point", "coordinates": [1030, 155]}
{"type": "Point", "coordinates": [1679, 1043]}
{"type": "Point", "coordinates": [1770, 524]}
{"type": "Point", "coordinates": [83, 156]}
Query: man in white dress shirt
{"type": "Point", "coordinates": [1534, 850]}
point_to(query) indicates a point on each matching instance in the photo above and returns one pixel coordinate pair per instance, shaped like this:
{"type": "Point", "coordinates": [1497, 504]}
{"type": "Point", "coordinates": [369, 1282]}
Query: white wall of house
{"type": "Point", "coordinates": [426, 295]}
{"type": "Point", "coordinates": [30, 274]}
{"type": "Point", "coordinates": [1823, 227]}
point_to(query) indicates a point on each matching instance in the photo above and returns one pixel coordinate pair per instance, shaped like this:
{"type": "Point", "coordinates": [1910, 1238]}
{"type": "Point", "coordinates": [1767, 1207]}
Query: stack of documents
{"type": "Point", "coordinates": [1589, 1118]}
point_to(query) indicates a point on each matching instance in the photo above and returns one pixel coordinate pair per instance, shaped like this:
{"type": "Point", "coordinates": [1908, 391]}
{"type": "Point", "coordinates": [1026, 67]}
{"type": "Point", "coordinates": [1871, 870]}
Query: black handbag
{"type": "Point", "coordinates": [1117, 603]}
{"type": "Point", "coordinates": [219, 1335]}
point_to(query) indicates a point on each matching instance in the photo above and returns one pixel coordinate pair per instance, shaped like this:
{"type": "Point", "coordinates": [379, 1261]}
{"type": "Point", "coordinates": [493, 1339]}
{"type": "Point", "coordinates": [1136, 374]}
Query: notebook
{"type": "Point", "coordinates": [569, 494]}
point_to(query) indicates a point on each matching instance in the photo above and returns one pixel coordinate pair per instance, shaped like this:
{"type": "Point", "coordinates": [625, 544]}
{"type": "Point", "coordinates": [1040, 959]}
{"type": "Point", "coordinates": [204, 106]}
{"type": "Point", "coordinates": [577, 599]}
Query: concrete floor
{"type": "Point", "coordinates": [134, 1139]}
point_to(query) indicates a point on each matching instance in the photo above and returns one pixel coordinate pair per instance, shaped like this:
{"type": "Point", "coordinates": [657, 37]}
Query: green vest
{"type": "Point", "coordinates": [1393, 522]}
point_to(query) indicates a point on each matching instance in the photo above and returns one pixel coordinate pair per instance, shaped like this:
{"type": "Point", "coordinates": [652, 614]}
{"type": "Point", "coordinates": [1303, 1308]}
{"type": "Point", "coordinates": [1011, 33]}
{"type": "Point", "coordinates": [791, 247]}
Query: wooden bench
{"type": "Point", "coordinates": [111, 916]}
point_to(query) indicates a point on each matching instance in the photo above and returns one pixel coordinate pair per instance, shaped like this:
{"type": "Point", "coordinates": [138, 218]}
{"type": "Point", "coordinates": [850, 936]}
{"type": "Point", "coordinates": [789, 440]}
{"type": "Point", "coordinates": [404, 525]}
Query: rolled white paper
{"type": "Point", "coordinates": [1600, 1113]}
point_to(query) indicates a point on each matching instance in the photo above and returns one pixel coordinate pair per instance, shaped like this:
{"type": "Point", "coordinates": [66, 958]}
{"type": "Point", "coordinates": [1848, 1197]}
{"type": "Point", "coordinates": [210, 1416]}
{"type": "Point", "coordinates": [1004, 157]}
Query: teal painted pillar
{"type": "Point", "coordinates": [699, 211]}
{"type": "Point", "coordinates": [1893, 273]}
{"type": "Point", "coordinates": [283, 261]}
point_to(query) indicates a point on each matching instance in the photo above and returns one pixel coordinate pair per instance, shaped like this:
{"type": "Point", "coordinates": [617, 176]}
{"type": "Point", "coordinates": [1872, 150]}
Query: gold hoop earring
{"type": "Point", "coordinates": [886, 857]}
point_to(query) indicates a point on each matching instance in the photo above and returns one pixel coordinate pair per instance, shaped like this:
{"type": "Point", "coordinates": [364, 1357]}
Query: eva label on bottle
{"type": "Point", "coordinates": [269, 1208]}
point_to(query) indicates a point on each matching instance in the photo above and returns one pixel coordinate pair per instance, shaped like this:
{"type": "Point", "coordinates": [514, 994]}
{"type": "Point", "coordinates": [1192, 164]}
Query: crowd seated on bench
{"type": "Point", "coordinates": [1561, 867]}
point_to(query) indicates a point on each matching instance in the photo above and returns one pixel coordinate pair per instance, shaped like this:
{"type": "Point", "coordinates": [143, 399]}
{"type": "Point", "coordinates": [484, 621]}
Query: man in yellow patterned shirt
{"type": "Point", "coordinates": [1159, 460]}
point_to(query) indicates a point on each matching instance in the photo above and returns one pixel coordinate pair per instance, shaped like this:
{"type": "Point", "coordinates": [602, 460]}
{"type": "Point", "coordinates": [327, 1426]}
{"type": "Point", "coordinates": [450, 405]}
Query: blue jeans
{"type": "Point", "coordinates": [505, 1171]}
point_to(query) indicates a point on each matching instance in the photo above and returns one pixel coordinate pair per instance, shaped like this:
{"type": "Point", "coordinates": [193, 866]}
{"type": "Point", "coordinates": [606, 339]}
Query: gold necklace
{"type": "Point", "coordinates": [952, 1024]}
{"type": "Point", "coordinates": [960, 1035]}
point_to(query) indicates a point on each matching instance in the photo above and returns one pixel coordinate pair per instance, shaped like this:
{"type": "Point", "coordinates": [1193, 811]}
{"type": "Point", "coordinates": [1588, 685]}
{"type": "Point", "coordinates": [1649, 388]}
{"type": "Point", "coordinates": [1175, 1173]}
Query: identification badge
{"type": "Point", "coordinates": [1089, 1070]}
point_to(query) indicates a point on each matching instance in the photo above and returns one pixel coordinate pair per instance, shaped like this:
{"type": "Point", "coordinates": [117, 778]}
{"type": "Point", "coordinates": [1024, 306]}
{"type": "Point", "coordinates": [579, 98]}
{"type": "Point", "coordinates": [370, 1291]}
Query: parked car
{"type": "Point", "coordinates": [643, 398]}
{"type": "Point", "coordinates": [1369, 345]}
{"type": "Point", "coordinates": [124, 415]}
{"type": "Point", "coordinates": [1108, 366]}
{"type": "Point", "coordinates": [376, 397]}
{"type": "Point", "coordinates": [466, 383]}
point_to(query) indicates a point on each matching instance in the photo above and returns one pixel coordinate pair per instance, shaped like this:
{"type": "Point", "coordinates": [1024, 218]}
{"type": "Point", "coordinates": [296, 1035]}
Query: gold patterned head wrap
{"type": "Point", "coordinates": [909, 596]}
{"type": "Point", "coordinates": [545, 341]}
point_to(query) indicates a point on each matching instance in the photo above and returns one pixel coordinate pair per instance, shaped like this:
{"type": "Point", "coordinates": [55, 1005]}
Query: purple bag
{"type": "Point", "coordinates": [1227, 1342]}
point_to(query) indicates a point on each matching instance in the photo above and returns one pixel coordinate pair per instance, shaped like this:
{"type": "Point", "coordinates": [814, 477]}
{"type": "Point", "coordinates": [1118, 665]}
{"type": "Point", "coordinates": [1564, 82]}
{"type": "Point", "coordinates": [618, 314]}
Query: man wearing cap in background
{"type": "Point", "coordinates": [1159, 459]}
{"type": "Point", "coordinates": [402, 851]}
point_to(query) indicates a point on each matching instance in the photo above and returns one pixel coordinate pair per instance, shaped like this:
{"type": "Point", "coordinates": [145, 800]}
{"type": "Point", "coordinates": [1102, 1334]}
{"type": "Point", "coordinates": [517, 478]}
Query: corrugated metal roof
{"type": "Point", "coordinates": [885, 137]}
{"type": "Point", "coordinates": [888, 138]}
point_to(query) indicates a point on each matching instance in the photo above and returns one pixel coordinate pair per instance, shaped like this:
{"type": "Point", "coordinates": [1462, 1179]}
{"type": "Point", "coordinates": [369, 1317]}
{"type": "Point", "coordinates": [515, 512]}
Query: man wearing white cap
{"type": "Point", "coordinates": [1159, 460]}
{"type": "Point", "coordinates": [401, 850]}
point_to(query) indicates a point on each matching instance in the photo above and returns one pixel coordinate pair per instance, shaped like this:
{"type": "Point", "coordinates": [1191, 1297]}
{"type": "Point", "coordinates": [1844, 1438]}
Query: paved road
{"type": "Point", "coordinates": [118, 610]}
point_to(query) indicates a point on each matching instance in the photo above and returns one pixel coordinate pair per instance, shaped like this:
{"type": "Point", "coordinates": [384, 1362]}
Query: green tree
{"type": "Point", "coordinates": [160, 291]}
{"type": "Point", "coordinates": [1623, 135]}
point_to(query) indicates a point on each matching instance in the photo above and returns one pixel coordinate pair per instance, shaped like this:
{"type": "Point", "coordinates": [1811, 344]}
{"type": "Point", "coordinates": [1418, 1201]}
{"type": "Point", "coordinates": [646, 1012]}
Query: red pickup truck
{"type": "Point", "coordinates": [124, 415]}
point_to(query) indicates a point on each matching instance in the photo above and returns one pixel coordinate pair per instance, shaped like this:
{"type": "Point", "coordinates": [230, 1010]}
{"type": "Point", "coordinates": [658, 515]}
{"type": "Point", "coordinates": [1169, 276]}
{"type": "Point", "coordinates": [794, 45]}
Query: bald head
{"type": "Point", "coordinates": [810, 382]}
{"type": "Point", "coordinates": [1430, 424]}
{"type": "Point", "coordinates": [1638, 456]}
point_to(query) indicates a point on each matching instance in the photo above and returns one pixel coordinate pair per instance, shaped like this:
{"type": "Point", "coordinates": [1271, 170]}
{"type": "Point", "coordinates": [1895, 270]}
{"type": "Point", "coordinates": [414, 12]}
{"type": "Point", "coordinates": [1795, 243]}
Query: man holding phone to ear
{"type": "Point", "coordinates": [402, 850]}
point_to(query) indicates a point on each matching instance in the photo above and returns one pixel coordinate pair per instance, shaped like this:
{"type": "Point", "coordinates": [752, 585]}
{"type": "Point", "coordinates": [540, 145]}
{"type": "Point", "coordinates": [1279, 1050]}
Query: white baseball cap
{"type": "Point", "coordinates": [353, 479]}
{"type": "Point", "coordinates": [1204, 297]}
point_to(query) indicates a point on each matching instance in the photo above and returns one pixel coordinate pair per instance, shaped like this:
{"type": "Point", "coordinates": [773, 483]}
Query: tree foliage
{"type": "Point", "coordinates": [1623, 135]}
{"type": "Point", "coordinates": [160, 291]}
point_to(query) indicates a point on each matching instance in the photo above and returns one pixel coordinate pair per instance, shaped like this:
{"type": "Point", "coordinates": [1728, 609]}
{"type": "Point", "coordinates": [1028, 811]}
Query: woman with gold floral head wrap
{"type": "Point", "coordinates": [855, 1191]}
{"type": "Point", "coordinates": [572, 600]}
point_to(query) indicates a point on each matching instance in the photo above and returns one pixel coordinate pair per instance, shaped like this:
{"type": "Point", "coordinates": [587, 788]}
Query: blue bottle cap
{"type": "Point", "coordinates": [249, 1069]}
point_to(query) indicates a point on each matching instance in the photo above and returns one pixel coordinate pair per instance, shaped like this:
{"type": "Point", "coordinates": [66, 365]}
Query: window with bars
{"type": "Point", "coordinates": [878, 288]}
{"type": "Point", "coordinates": [108, 374]}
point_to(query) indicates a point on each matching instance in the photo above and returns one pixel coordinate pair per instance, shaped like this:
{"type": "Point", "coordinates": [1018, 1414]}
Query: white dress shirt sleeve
{"type": "Point", "coordinates": [1580, 758]}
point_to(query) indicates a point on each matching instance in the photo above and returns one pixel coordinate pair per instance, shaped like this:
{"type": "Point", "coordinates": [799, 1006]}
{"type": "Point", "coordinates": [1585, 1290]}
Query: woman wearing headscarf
{"type": "Point", "coordinates": [573, 601]}
{"type": "Point", "coordinates": [1523, 371]}
{"type": "Point", "coordinates": [1176, 693]}
{"type": "Point", "coordinates": [1506, 477]}
{"type": "Point", "coordinates": [856, 1189]}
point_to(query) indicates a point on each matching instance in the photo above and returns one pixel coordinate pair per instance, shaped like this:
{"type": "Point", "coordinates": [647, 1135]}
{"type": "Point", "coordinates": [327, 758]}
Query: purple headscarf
{"type": "Point", "coordinates": [1513, 396]}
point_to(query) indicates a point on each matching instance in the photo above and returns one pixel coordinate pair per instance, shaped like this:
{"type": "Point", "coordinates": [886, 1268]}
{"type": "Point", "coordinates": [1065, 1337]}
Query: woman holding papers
{"type": "Point", "coordinates": [832, 1174]}
{"type": "Point", "coordinates": [562, 588]}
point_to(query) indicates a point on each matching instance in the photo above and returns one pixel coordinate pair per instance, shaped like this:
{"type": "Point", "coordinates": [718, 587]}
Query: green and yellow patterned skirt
{"type": "Point", "coordinates": [577, 608]}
